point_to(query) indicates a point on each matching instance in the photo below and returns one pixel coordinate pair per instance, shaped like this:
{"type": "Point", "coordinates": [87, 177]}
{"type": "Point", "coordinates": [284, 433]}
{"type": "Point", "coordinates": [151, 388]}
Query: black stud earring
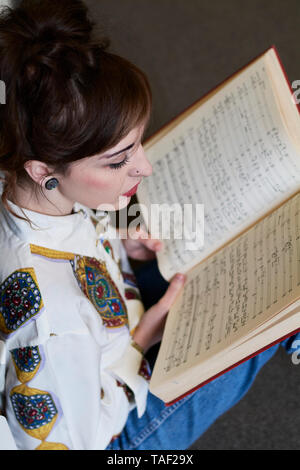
{"type": "Point", "coordinates": [51, 184]}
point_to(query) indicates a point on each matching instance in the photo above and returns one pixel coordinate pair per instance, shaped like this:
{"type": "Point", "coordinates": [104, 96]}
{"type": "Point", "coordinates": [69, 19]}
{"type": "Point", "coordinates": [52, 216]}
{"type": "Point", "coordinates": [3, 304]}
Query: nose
{"type": "Point", "coordinates": [141, 163]}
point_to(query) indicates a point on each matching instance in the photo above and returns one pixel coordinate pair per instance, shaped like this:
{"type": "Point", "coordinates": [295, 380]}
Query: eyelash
{"type": "Point", "coordinates": [116, 166]}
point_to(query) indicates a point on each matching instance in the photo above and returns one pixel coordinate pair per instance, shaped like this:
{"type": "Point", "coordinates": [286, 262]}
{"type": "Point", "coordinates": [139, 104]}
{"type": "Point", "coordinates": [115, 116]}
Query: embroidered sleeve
{"type": "Point", "coordinates": [36, 410]}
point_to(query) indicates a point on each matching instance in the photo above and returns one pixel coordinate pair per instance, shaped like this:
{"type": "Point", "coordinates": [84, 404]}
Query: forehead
{"type": "Point", "coordinates": [133, 135]}
{"type": "Point", "coordinates": [131, 138]}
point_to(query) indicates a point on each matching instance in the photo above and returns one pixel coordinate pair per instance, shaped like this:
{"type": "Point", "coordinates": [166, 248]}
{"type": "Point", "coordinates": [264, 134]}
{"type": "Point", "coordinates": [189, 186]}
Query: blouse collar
{"type": "Point", "coordinates": [71, 232]}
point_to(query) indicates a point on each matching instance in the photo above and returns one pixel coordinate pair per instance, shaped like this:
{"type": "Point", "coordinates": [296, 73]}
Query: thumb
{"type": "Point", "coordinates": [167, 300]}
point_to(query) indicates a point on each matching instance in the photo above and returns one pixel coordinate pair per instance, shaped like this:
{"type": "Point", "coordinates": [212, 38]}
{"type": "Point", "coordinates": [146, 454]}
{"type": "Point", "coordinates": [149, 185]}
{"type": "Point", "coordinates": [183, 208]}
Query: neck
{"type": "Point", "coordinates": [50, 204]}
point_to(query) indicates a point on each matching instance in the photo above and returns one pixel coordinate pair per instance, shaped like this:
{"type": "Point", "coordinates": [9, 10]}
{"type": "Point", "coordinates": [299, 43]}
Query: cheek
{"type": "Point", "coordinates": [106, 182]}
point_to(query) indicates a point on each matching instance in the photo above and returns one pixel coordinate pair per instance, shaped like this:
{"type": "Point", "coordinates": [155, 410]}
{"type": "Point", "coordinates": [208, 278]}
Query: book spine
{"type": "Point", "coordinates": [232, 367]}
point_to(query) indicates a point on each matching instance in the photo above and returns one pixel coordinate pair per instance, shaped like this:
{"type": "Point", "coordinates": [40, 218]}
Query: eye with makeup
{"type": "Point", "coordinates": [116, 166]}
{"type": "Point", "coordinates": [128, 152]}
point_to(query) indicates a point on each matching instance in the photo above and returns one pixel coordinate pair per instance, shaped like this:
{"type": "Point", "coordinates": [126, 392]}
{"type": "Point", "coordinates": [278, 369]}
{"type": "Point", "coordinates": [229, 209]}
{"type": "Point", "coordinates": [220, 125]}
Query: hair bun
{"type": "Point", "coordinates": [42, 20]}
{"type": "Point", "coordinates": [48, 34]}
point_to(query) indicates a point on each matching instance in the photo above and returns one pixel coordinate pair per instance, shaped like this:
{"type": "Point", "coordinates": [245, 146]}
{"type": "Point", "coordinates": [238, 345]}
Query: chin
{"type": "Point", "coordinates": [122, 202]}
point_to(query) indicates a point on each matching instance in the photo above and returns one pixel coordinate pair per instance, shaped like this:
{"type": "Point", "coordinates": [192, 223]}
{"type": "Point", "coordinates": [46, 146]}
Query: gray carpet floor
{"type": "Point", "coordinates": [187, 47]}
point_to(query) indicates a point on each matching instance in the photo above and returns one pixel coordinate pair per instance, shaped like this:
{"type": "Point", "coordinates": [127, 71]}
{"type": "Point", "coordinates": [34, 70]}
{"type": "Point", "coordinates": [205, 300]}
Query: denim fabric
{"type": "Point", "coordinates": [178, 426]}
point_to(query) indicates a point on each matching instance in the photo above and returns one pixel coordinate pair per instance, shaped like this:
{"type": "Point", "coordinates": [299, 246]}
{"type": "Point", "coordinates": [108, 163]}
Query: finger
{"type": "Point", "coordinates": [145, 237]}
{"type": "Point", "coordinates": [152, 244]}
{"type": "Point", "coordinates": [142, 235]}
{"type": "Point", "coordinates": [167, 300]}
{"type": "Point", "coordinates": [142, 254]}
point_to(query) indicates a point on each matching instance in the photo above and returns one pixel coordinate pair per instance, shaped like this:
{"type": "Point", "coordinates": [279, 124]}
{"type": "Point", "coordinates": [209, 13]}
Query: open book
{"type": "Point", "coordinates": [237, 152]}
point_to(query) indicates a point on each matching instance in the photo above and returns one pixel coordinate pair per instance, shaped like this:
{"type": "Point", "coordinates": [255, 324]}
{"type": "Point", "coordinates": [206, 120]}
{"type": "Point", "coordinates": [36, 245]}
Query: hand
{"type": "Point", "coordinates": [142, 246]}
{"type": "Point", "coordinates": [150, 329]}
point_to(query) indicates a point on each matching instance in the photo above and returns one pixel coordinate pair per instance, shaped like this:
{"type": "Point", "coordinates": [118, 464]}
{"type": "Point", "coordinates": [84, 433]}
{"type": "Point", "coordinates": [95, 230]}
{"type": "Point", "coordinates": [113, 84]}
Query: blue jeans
{"type": "Point", "coordinates": [178, 426]}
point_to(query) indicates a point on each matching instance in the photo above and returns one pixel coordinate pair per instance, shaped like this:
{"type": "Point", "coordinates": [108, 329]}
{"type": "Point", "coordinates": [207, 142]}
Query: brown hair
{"type": "Point", "coordinates": [67, 96]}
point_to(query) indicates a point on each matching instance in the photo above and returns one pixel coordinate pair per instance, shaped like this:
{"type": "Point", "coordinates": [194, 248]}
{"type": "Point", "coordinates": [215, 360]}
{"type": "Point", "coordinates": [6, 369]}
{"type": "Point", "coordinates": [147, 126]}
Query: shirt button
{"type": "Point", "coordinates": [102, 394]}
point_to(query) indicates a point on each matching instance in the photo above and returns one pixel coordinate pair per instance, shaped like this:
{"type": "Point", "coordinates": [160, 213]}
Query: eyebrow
{"type": "Point", "coordinates": [117, 153]}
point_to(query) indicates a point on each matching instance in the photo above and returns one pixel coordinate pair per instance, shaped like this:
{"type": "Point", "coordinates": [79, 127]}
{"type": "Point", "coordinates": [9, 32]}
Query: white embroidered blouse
{"type": "Point", "coordinates": [69, 375]}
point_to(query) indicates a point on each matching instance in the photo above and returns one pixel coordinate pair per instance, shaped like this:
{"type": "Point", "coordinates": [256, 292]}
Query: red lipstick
{"type": "Point", "coordinates": [132, 191]}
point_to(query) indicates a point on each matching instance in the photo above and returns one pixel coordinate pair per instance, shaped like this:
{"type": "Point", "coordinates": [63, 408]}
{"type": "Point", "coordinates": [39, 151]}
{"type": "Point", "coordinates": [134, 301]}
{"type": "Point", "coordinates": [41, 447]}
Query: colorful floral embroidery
{"type": "Point", "coordinates": [33, 411]}
{"type": "Point", "coordinates": [95, 281]}
{"type": "Point", "coordinates": [20, 300]}
{"type": "Point", "coordinates": [26, 361]}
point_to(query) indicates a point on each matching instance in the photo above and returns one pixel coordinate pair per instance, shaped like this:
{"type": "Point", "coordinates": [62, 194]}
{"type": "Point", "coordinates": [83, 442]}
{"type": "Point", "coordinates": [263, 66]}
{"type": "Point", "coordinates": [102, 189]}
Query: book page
{"type": "Point", "coordinates": [234, 291]}
{"type": "Point", "coordinates": [233, 155]}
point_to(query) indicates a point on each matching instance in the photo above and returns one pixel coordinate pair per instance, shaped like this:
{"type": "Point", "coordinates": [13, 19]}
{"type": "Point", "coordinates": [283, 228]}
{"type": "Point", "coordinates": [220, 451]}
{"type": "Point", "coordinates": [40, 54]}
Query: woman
{"type": "Point", "coordinates": [73, 326]}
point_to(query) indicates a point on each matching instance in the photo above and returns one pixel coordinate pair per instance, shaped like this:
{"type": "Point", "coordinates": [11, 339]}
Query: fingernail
{"type": "Point", "coordinates": [180, 277]}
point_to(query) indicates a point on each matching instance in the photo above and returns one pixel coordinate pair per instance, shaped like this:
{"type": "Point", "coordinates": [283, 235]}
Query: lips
{"type": "Point", "coordinates": [132, 191]}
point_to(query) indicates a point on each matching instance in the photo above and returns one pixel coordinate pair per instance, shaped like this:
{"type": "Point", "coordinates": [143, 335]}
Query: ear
{"type": "Point", "coordinates": [37, 170]}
